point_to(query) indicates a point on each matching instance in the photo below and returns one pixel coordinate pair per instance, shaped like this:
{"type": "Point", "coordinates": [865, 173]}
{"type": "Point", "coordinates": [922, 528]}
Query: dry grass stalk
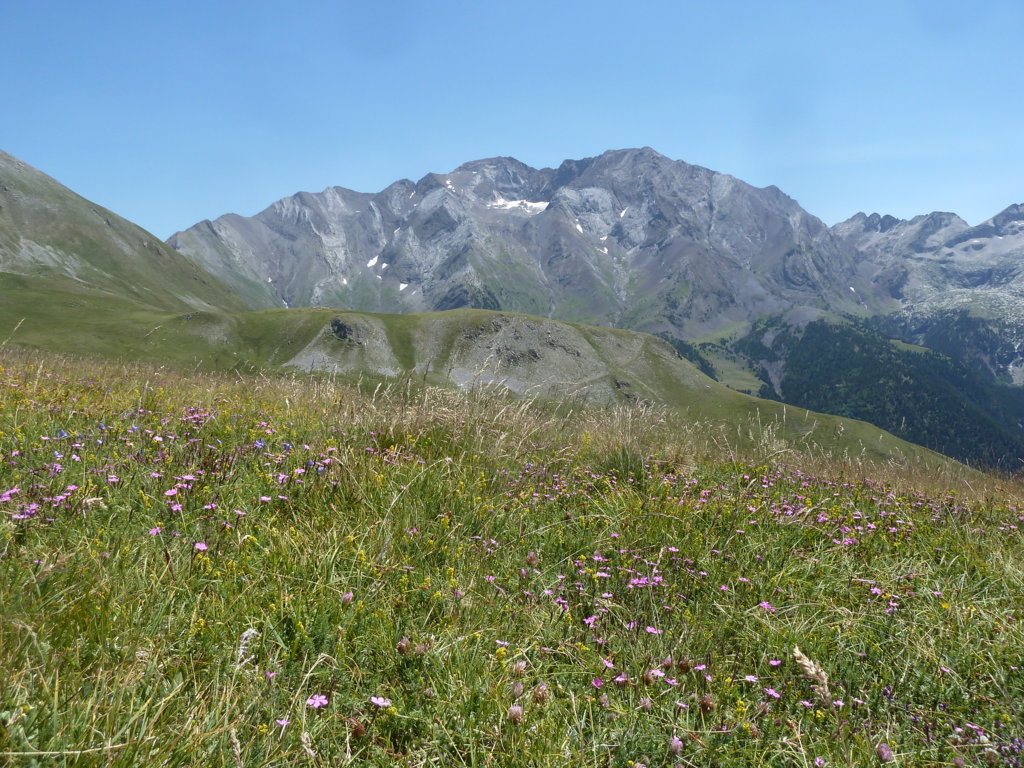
{"type": "Point", "coordinates": [236, 748]}
{"type": "Point", "coordinates": [813, 672]}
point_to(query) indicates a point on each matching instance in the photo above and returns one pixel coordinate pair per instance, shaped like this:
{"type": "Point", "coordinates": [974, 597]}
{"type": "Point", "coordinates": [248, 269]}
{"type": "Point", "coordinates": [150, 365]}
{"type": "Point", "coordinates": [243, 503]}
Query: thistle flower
{"type": "Point", "coordinates": [346, 599]}
{"type": "Point", "coordinates": [517, 689]}
{"type": "Point", "coordinates": [675, 746]}
{"type": "Point", "coordinates": [403, 646]}
{"type": "Point", "coordinates": [884, 752]}
{"type": "Point", "coordinates": [646, 703]}
{"type": "Point", "coordinates": [519, 668]}
{"type": "Point", "coordinates": [515, 714]}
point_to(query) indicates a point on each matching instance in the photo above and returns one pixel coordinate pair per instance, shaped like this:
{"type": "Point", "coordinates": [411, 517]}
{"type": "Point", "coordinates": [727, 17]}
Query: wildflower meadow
{"type": "Point", "coordinates": [215, 570]}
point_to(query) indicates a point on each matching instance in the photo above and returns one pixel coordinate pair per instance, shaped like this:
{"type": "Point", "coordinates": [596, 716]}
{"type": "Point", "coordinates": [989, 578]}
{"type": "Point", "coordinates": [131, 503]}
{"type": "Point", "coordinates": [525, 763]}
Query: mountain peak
{"type": "Point", "coordinates": [496, 164]}
{"type": "Point", "coordinates": [645, 153]}
{"type": "Point", "coordinates": [1009, 215]}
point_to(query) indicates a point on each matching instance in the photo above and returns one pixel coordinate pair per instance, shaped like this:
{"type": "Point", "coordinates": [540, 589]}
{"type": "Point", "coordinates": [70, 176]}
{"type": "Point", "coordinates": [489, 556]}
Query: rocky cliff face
{"type": "Point", "coordinates": [960, 288]}
{"type": "Point", "coordinates": [629, 238]}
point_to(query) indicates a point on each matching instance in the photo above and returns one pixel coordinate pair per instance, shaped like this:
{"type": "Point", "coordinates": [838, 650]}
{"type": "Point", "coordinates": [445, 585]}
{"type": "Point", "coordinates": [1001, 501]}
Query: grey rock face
{"type": "Point", "coordinates": [629, 238]}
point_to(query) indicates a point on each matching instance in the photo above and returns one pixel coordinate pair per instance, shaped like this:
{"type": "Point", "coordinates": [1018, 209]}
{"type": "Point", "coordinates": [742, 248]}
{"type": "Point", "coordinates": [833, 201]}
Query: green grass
{"type": "Point", "coordinates": [462, 555]}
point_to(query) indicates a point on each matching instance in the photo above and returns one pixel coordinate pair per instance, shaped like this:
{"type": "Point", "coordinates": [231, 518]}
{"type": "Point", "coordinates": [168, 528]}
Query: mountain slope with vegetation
{"type": "Point", "coordinates": [913, 392]}
{"type": "Point", "coordinates": [48, 233]}
{"type": "Point", "coordinates": [628, 238]}
{"type": "Point", "coordinates": [632, 239]}
{"type": "Point", "coordinates": [467, 349]}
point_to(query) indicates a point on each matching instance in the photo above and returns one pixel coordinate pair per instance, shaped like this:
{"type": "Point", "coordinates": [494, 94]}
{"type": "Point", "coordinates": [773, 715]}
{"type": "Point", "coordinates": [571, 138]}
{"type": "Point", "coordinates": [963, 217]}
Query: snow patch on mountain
{"type": "Point", "coordinates": [528, 207]}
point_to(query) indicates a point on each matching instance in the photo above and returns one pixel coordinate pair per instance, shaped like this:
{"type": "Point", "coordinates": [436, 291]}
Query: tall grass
{"type": "Point", "coordinates": [226, 571]}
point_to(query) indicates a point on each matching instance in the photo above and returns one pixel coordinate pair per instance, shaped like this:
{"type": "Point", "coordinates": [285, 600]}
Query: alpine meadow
{"type": "Point", "coordinates": [512, 385]}
{"type": "Point", "coordinates": [236, 535]}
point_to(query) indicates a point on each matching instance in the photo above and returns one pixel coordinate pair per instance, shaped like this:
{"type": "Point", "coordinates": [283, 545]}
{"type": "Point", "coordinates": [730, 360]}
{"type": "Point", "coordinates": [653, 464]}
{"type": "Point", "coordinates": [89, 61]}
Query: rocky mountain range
{"type": "Point", "coordinates": [628, 239]}
{"type": "Point", "coordinates": [921, 322]}
{"type": "Point", "coordinates": [960, 288]}
{"type": "Point", "coordinates": [728, 272]}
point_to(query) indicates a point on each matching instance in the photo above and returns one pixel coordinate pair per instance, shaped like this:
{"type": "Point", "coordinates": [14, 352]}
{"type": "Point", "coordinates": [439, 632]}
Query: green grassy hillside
{"type": "Point", "coordinates": [234, 570]}
{"type": "Point", "coordinates": [48, 231]}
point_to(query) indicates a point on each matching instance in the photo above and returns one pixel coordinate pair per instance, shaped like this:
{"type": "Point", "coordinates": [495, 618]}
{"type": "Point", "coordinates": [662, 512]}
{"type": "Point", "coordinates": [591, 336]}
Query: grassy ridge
{"type": "Point", "coordinates": [81, 321]}
{"type": "Point", "coordinates": [216, 571]}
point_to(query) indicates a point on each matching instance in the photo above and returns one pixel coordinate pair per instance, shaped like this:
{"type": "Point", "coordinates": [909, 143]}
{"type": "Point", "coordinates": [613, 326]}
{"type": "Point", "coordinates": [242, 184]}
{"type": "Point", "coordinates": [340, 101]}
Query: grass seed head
{"type": "Point", "coordinates": [814, 672]}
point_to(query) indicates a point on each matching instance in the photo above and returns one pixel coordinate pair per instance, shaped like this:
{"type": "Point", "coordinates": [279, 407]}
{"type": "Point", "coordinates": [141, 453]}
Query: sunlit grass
{"type": "Point", "coordinates": [469, 580]}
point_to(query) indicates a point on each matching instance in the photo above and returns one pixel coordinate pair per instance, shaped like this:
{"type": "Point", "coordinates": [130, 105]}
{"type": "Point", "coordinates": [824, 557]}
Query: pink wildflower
{"type": "Point", "coordinates": [316, 701]}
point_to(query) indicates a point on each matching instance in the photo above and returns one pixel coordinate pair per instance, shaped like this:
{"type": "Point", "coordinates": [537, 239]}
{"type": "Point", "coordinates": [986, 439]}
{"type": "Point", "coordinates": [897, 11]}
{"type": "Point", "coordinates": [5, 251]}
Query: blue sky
{"type": "Point", "coordinates": [172, 112]}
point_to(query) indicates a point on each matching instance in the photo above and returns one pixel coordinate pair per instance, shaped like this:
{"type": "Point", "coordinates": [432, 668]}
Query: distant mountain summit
{"type": "Point", "coordinates": [629, 238]}
{"type": "Point", "coordinates": [960, 289]}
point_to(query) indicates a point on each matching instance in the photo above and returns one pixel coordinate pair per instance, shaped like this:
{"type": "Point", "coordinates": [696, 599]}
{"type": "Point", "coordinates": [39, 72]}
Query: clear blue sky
{"type": "Point", "coordinates": [172, 112]}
